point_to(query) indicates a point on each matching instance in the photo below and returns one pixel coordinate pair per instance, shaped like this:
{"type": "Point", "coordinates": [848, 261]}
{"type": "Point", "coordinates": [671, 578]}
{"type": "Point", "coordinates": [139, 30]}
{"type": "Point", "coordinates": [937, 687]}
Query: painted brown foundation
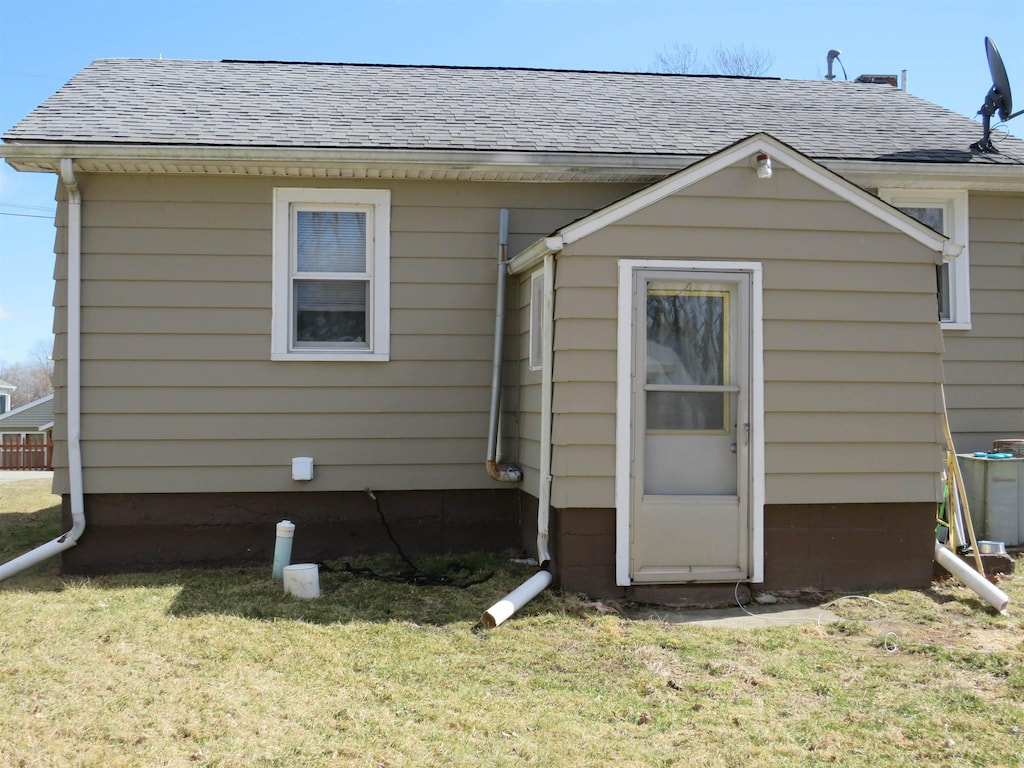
{"type": "Point", "coordinates": [824, 547]}
{"type": "Point", "coordinates": [145, 532]}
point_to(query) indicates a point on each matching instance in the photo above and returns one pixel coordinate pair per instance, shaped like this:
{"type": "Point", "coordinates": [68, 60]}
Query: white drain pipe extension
{"type": "Point", "coordinates": [515, 599]}
{"type": "Point", "coordinates": [971, 579]}
{"type": "Point", "coordinates": [73, 388]}
{"type": "Point", "coordinates": [509, 473]}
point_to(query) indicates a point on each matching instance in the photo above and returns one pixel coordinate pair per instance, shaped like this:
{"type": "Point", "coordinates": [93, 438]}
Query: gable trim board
{"type": "Point", "coordinates": [701, 170]}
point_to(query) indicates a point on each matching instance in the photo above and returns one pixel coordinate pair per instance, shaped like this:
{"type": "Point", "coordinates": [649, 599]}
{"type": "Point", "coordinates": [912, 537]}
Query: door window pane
{"type": "Point", "coordinates": [687, 330]}
{"type": "Point", "coordinates": [686, 411]}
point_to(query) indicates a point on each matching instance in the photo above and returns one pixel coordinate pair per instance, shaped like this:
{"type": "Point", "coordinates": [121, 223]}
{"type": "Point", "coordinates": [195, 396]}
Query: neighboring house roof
{"type": "Point", "coordinates": [7, 385]}
{"type": "Point", "coordinates": [172, 103]}
{"type": "Point", "coordinates": [28, 417]}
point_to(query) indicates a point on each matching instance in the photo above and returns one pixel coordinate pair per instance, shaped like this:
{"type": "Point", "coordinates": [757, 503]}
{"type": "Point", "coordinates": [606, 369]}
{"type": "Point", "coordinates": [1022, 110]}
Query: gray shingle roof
{"type": "Point", "coordinates": [358, 106]}
{"type": "Point", "coordinates": [29, 416]}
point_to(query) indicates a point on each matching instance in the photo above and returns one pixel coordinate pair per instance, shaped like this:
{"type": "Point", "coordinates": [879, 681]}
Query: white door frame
{"type": "Point", "coordinates": [624, 405]}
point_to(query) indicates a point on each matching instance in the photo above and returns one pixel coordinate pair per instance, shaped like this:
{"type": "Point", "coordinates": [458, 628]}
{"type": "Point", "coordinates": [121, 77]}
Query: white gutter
{"type": "Point", "coordinates": [547, 380]}
{"type": "Point", "coordinates": [73, 388]}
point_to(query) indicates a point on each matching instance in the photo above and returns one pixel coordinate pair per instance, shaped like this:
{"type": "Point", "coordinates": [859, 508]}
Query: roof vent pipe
{"type": "Point", "coordinates": [73, 390]}
{"type": "Point", "coordinates": [509, 473]}
{"type": "Point", "coordinates": [833, 55]}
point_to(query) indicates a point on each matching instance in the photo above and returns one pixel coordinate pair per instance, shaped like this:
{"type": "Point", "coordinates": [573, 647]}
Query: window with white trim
{"type": "Point", "coordinates": [944, 211]}
{"type": "Point", "coordinates": [331, 285]}
{"type": "Point", "coordinates": [537, 320]}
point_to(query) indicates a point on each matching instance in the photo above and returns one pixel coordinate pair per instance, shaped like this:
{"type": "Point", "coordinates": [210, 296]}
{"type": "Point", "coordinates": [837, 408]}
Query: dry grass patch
{"type": "Point", "coordinates": [219, 668]}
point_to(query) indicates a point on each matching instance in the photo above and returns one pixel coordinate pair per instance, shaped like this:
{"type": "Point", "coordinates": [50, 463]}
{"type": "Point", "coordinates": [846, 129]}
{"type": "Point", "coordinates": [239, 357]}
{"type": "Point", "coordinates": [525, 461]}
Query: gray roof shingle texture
{"type": "Point", "coordinates": [359, 106]}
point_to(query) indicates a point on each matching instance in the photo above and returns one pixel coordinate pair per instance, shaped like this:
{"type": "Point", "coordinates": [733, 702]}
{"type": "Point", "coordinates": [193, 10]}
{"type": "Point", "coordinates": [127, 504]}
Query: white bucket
{"type": "Point", "coordinates": [302, 580]}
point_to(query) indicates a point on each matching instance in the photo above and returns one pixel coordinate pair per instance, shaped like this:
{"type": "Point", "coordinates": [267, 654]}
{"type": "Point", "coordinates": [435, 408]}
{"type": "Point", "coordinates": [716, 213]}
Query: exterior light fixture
{"type": "Point", "coordinates": [763, 164]}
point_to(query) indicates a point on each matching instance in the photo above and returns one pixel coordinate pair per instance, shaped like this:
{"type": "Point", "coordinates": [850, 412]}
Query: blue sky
{"type": "Point", "coordinates": [44, 43]}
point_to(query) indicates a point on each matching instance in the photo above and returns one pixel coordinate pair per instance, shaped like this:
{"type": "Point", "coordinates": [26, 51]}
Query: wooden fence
{"type": "Point", "coordinates": [17, 452]}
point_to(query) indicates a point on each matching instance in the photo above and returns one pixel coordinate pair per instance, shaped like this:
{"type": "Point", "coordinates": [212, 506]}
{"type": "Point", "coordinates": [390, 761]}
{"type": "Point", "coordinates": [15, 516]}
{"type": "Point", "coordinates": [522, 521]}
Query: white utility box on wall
{"type": "Point", "coordinates": [302, 468]}
{"type": "Point", "coordinates": [995, 493]}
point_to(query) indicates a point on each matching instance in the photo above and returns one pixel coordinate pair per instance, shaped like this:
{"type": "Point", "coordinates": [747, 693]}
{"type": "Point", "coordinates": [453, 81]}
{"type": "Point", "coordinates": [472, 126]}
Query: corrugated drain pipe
{"type": "Point", "coordinates": [73, 388]}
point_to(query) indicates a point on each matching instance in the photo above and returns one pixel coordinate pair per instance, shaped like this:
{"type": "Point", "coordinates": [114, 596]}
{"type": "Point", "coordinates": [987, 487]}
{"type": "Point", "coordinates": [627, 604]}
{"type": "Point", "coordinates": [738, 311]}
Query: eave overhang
{"type": "Point", "coordinates": [460, 165]}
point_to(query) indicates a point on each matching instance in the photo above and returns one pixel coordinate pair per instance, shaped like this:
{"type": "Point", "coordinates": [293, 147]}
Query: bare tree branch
{"type": "Point", "coordinates": [684, 59]}
{"type": "Point", "coordinates": [33, 377]}
{"type": "Point", "coordinates": [740, 61]}
{"type": "Point", "coordinates": [680, 59]}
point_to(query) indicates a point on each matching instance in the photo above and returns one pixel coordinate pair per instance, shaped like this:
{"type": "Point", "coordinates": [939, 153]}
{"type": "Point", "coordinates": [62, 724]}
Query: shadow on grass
{"type": "Point", "coordinates": [251, 593]}
{"type": "Point", "coordinates": [348, 597]}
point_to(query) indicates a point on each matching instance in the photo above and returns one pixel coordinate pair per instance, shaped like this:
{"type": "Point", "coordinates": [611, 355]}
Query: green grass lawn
{"type": "Point", "coordinates": [220, 668]}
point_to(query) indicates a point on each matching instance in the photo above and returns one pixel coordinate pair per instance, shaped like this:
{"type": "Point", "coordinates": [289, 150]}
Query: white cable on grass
{"type": "Point", "coordinates": [890, 645]}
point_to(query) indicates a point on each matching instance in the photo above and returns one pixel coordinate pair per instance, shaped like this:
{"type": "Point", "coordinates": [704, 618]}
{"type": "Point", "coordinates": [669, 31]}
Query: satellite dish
{"type": "Point", "coordinates": [998, 100]}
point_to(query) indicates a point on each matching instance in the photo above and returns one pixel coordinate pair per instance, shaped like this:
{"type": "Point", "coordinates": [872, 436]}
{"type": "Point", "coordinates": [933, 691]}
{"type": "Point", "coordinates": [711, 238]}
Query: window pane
{"type": "Point", "coordinates": [331, 241]}
{"type": "Point", "coordinates": [686, 333]}
{"type": "Point", "coordinates": [942, 278]}
{"type": "Point", "coordinates": [688, 411]}
{"type": "Point", "coordinates": [330, 310]}
{"type": "Point", "coordinates": [930, 217]}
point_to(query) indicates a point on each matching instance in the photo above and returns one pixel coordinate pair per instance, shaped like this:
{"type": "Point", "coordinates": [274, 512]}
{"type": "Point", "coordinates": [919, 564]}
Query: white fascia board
{"type": "Point", "coordinates": [867, 173]}
{"type": "Point", "coordinates": [585, 164]}
{"type": "Point", "coordinates": [532, 255]}
{"type": "Point", "coordinates": [780, 152]}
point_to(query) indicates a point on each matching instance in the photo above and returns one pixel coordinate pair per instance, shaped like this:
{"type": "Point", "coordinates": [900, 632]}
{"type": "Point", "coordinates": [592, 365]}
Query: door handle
{"type": "Point", "coordinates": [732, 447]}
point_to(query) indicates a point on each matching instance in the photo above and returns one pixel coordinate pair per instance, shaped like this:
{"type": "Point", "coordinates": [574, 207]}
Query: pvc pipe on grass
{"type": "Point", "coordinates": [971, 579]}
{"type": "Point", "coordinates": [516, 599]}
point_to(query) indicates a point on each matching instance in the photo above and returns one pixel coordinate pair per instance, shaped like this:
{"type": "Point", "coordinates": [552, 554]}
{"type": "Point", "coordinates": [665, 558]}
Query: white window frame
{"type": "Point", "coordinates": [955, 218]}
{"type": "Point", "coordinates": [537, 320]}
{"type": "Point", "coordinates": [376, 203]}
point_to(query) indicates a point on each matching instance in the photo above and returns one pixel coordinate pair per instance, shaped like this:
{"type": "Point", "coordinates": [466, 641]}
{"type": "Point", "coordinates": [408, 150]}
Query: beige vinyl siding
{"type": "Point", "coordinates": [179, 392]}
{"type": "Point", "coordinates": [529, 393]}
{"type": "Point", "coordinates": [852, 346]}
{"type": "Point", "coordinates": [984, 366]}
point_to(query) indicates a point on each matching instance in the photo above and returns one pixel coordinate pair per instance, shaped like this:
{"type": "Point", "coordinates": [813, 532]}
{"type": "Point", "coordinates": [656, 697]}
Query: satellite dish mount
{"type": "Point", "coordinates": [997, 100]}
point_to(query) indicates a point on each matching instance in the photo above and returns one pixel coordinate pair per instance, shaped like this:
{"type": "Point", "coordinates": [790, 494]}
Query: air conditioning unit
{"type": "Point", "coordinates": [995, 493]}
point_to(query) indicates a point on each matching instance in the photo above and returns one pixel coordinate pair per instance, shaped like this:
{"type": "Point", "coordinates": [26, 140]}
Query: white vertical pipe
{"type": "Point", "coordinates": [72, 386]}
{"type": "Point", "coordinates": [547, 383]}
{"type": "Point", "coordinates": [509, 473]}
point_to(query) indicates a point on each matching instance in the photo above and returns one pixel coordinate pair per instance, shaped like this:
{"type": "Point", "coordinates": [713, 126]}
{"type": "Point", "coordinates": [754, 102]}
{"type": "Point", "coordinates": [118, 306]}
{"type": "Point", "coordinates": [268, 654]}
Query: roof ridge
{"type": "Point", "coordinates": [481, 67]}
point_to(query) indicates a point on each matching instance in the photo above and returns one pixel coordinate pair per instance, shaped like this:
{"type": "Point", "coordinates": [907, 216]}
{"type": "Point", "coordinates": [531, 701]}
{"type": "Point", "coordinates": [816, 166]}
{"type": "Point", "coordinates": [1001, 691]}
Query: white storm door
{"type": "Point", "coordinates": [690, 516]}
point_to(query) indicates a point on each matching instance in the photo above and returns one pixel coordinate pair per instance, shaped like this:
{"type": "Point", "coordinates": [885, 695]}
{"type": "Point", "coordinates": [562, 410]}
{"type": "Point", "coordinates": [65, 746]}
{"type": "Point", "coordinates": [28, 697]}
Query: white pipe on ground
{"type": "Point", "coordinates": [73, 389]}
{"type": "Point", "coordinates": [515, 599]}
{"type": "Point", "coordinates": [971, 579]}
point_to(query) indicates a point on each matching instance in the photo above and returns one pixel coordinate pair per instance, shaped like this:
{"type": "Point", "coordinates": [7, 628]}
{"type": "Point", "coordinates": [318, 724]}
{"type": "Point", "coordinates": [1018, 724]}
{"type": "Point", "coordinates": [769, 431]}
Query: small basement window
{"type": "Point", "coordinates": [945, 211]}
{"type": "Point", "coordinates": [331, 286]}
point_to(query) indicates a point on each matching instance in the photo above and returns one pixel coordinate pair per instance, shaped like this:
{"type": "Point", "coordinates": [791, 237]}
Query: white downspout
{"type": "Point", "coordinates": [509, 473]}
{"type": "Point", "coordinates": [73, 386]}
{"type": "Point", "coordinates": [533, 586]}
{"type": "Point", "coordinates": [547, 379]}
